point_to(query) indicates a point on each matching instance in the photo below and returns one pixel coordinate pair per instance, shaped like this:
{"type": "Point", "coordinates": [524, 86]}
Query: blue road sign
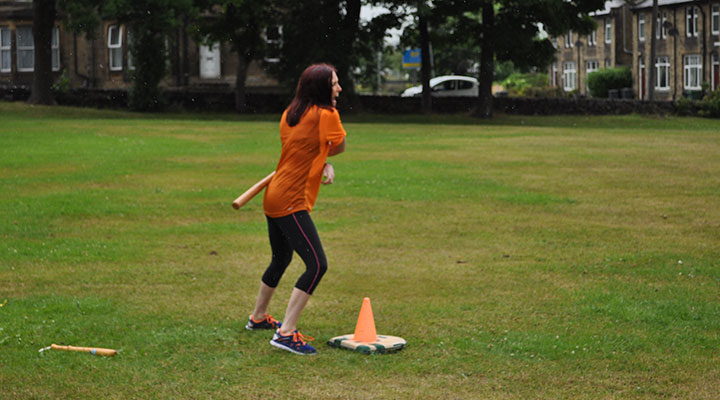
{"type": "Point", "coordinates": [412, 59]}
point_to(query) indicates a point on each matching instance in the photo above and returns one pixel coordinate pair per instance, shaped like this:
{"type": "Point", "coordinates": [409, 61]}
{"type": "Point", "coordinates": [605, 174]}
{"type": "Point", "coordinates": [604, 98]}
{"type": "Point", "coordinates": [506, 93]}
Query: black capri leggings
{"type": "Point", "coordinates": [295, 232]}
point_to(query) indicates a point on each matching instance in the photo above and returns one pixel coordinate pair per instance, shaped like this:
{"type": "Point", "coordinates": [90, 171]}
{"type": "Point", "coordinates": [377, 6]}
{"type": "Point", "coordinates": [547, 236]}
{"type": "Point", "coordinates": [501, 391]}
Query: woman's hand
{"type": "Point", "coordinates": [328, 174]}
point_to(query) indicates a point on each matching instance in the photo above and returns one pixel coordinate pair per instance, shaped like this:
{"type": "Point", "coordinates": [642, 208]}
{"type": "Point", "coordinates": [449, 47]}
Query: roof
{"type": "Point", "coordinates": [609, 6]}
{"type": "Point", "coordinates": [649, 3]}
{"type": "Point", "coordinates": [16, 10]}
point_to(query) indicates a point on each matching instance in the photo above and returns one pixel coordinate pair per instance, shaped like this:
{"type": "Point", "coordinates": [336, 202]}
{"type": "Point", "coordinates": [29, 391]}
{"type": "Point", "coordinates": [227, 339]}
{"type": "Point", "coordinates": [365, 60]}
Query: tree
{"type": "Point", "coordinates": [508, 30]}
{"type": "Point", "coordinates": [241, 23]}
{"type": "Point", "coordinates": [78, 16]}
{"type": "Point", "coordinates": [423, 14]}
{"type": "Point", "coordinates": [149, 22]}
{"type": "Point", "coordinates": [320, 31]}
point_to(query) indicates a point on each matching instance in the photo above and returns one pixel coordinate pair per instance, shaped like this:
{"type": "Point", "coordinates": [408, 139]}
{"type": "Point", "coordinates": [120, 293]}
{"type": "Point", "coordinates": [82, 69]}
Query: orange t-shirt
{"type": "Point", "coordinates": [305, 147]}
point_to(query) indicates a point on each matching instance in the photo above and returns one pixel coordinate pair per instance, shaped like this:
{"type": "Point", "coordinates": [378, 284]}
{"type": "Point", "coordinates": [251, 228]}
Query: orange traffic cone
{"type": "Point", "coordinates": [365, 328]}
{"type": "Point", "coordinates": [366, 340]}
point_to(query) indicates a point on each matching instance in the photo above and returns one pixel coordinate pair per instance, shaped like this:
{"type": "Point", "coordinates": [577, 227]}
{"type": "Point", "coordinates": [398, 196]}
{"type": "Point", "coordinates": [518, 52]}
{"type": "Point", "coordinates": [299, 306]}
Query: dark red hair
{"type": "Point", "coordinates": [314, 89]}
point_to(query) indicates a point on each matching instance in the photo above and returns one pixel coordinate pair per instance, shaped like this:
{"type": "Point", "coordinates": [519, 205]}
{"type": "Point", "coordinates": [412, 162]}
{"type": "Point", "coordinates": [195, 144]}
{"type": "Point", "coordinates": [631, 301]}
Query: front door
{"type": "Point", "coordinates": [210, 61]}
{"type": "Point", "coordinates": [716, 71]}
{"type": "Point", "coordinates": [643, 81]}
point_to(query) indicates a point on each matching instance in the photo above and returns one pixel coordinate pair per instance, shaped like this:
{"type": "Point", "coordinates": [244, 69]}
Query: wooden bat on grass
{"type": "Point", "coordinates": [252, 192]}
{"type": "Point", "coordinates": [92, 350]}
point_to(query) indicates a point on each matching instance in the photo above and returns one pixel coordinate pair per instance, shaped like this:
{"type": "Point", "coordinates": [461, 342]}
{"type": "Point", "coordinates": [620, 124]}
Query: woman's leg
{"type": "Point", "coordinates": [300, 231]}
{"type": "Point", "coordinates": [281, 257]}
{"type": "Point", "coordinates": [263, 300]}
{"type": "Point", "coordinates": [298, 300]}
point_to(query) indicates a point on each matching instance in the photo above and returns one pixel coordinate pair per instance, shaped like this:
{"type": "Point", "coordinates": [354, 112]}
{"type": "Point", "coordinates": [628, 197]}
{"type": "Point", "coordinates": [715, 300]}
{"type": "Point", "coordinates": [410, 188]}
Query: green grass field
{"type": "Point", "coordinates": [524, 257]}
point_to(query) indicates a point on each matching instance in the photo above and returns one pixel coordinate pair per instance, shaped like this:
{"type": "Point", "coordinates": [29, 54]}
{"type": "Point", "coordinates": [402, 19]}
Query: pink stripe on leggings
{"type": "Point", "coordinates": [317, 261]}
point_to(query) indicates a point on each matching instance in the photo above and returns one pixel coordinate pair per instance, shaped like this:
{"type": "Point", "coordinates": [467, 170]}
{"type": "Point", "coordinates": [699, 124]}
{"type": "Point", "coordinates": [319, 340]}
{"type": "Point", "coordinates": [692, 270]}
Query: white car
{"type": "Point", "coordinates": [447, 86]}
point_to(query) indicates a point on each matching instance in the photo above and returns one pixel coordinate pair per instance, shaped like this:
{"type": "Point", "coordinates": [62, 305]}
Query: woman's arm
{"type": "Point", "coordinates": [337, 149]}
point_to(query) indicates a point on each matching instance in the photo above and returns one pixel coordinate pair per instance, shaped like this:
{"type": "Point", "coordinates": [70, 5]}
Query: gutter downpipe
{"type": "Point", "coordinates": [626, 9]}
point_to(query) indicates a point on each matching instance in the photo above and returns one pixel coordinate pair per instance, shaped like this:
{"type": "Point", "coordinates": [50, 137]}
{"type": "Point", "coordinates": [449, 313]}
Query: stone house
{"type": "Point", "coordinates": [609, 45]}
{"type": "Point", "coordinates": [106, 63]}
{"type": "Point", "coordinates": [686, 52]}
{"type": "Point", "coordinates": [687, 45]}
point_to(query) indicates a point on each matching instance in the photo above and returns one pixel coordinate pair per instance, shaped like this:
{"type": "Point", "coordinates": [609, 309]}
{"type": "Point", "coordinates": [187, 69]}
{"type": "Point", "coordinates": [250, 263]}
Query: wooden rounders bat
{"type": "Point", "coordinates": [252, 192]}
{"type": "Point", "coordinates": [92, 350]}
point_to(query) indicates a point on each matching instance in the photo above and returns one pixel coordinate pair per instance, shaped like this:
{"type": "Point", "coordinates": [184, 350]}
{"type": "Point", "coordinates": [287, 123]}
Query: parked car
{"type": "Point", "coordinates": [447, 86]}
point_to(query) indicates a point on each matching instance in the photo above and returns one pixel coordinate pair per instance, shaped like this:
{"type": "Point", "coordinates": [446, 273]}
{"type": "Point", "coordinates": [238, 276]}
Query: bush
{"type": "Point", "coordinates": [604, 80]}
{"type": "Point", "coordinates": [710, 105]}
{"type": "Point", "coordinates": [684, 106]}
{"type": "Point", "coordinates": [518, 84]}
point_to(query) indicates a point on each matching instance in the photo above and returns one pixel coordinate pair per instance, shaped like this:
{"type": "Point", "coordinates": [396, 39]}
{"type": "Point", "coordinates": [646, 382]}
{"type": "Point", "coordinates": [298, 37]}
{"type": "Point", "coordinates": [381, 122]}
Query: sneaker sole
{"type": "Point", "coordinates": [280, 346]}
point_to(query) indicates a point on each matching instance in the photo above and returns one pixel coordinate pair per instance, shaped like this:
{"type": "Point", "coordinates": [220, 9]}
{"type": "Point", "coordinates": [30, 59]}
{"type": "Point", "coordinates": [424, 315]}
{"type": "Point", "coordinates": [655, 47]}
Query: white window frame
{"type": "Point", "coordinates": [691, 21]}
{"type": "Point", "coordinates": [692, 72]}
{"type": "Point", "coordinates": [277, 41]}
{"type": "Point", "coordinates": [55, 49]}
{"type": "Point", "coordinates": [592, 38]}
{"type": "Point", "coordinates": [590, 66]}
{"type": "Point", "coordinates": [569, 76]}
{"type": "Point", "coordinates": [661, 31]}
{"type": "Point", "coordinates": [641, 27]}
{"type": "Point", "coordinates": [5, 50]}
{"type": "Point", "coordinates": [115, 48]}
{"type": "Point", "coordinates": [22, 49]}
{"type": "Point", "coordinates": [662, 73]}
{"type": "Point", "coordinates": [715, 19]}
{"type": "Point", "coordinates": [608, 63]}
{"type": "Point", "coordinates": [569, 40]}
{"type": "Point", "coordinates": [553, 77]}
{"type": "Point", "coordinates": [608, 30]}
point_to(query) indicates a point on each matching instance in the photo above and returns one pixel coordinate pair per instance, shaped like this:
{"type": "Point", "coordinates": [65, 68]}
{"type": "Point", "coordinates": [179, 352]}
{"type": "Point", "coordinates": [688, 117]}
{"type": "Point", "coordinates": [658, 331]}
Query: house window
{"type": "Point", "coordinates": [662, 73]}
{"type": "Point", "coordinates": [590, 66]}
{"type": "Point", "coordinates": [592, 38]}
{"type": "Point", "coordinates": [555, 42]}
{"type": "Point", "coordinates": [273, 38]}
{"type": "Point", "coordinates": [691, 21]}
{"type": "Point", "coordinates": [608, 63]}
{"type": "Point", "coordinates": [553, 77]}
{"type": "Point", "coordinates": [25, 49]}
{"type": "Point", "coordinates": [5, 62]}
{"type": "Point", "coordinates": [55, 49]}
{"type": "Point", "coordinates": [641, 27]}
{"type": "Point", "coordinates": [692, 66]}
{"type": "Point", "coordinates": [661, 30]}
{"type": "Point", "coordinates": [608, 30]}
{"type": "Point", "coordinates": [569, 76]}
{"type": "Point", "coordinates": [115, 47]}
{"type": "Point", "coordinates": [716, 19]}
{"type": "Point", "coordinates": [569, 40]}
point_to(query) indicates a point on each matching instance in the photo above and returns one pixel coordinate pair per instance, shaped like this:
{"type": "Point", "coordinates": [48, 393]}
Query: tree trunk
{"type": "Point", "coordinates": [425, 63]}
{"type": "Point", "coordinates": [240, 76]}
{"type": "Point", "coordinates": [487, 61]}
{"type": "Point", "coordinates": [652, 79]}
{"type": "Point", "coordinates": [44, 13]}
{"type": "Point", "coordinates": [348, 30]}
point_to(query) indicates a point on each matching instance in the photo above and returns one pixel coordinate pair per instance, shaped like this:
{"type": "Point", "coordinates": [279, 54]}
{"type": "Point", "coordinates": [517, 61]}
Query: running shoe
{"type": "Point", "coordinates": [266, 323]}
{"type": "Point", "coordinates": [294, 343]}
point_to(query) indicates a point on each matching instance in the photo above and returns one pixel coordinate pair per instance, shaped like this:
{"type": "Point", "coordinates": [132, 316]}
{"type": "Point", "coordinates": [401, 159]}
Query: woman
{"type": "Point", "coordinates": [310, 131]}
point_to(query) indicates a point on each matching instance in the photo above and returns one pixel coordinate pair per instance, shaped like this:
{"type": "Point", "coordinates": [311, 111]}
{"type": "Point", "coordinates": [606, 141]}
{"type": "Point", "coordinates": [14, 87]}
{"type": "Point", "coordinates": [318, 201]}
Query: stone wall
{"type": "Point", "coordinates": [223, 101]}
